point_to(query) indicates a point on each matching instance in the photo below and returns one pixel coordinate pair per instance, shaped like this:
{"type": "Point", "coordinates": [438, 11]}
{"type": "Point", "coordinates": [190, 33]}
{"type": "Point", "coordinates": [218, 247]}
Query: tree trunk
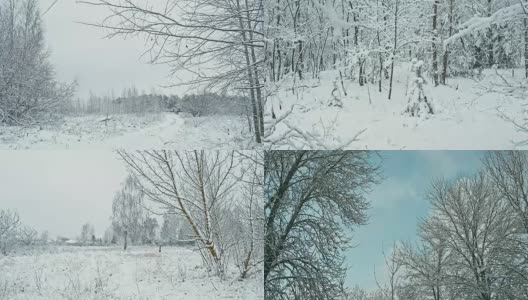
{"type": "Point", "coordinates": [277, 43]}
{"type": "Point", "coordinates": [435, 41]}
{"type": "Point", "coordinates": [526, 46]}
{"type": "Point", "coordinates": [395, 46]}
{"type": "Point", "coordinates": [257, 86]}
{"type": "Point", "coordinates": [491, 41]}
{"type": "Point", "coordinates": [126, 236]}
{"type": "Point", "coordinates": [300, 60]}
{"type": "Point", "coordinates": [251, 81]}
{"type": "Point", "coordinates": [446, 50]}
{"type": "Point", "coordinates": [361, 72]}
{"type": "Point", "coordinates": [381, 65]}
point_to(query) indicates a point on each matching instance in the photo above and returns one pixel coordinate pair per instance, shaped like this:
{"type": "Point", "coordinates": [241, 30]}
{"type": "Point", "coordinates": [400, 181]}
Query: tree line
{"type": "Point", "coordinates": [363, 40]}
{"type": "Point", "coordinates": [131, 101]}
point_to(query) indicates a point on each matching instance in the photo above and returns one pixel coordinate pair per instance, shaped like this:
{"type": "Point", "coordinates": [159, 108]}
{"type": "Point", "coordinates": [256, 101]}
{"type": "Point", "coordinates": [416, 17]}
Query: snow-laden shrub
{"type": "Point", "coordinates": [418, 104]}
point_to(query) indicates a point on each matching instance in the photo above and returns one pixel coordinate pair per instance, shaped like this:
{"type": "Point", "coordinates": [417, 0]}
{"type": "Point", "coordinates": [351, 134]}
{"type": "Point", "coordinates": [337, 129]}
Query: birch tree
{"type": "Point", "coordinates": [249, 226]}
{"type": "Point", "coordinates": [200, 186]}
{"type": "Point", "coordinates": [128, 214]}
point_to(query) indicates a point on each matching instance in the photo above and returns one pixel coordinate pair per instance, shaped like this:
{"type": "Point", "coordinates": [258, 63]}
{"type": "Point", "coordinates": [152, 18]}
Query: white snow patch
{"type": "Point", "coordinates": [468, 115]}
{"type": "Point", "coordinates": [132, 132]}
{"type": "Point", "coordinates": [111, 273]}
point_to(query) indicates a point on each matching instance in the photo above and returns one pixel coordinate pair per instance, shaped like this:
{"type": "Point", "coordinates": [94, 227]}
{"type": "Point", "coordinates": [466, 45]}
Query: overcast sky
{"type": "Point", "coordinates": [398, 203]}
{"type": "Point", "coordinates": [61, 190]}
{"type": "Point", "coordinates": [100, 65]}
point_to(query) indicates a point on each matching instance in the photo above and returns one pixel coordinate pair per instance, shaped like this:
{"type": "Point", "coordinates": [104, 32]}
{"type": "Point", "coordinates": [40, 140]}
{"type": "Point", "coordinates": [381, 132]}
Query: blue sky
{"type": "Point", "coordinates": [398, 203]}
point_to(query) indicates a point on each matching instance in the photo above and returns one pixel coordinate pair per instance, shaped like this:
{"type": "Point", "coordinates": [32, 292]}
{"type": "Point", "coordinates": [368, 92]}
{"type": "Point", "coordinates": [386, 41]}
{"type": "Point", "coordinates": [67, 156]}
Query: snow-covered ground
{"type": "Point", "coordinates": [469, 114]}
{"type": "Point", "coordinates": [110, 273]}
{"type": "Point", "coordinates": [167, 130]}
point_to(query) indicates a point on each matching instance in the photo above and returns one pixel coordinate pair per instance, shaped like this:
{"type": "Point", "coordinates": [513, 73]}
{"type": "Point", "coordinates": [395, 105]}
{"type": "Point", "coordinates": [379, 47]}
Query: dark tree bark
{"type": "Point", "coordinates": [446, 50]}
{"type": "Point", "coordinates": [526, 46]}
{"type": "Point", "coordinates": [126, 236]}
{"type": "Point", "coordinates": [435, 41]}
{"type": "Point", "coordinates": [297, 184]}
{"type": "Point", "coordinates": [395, 46]}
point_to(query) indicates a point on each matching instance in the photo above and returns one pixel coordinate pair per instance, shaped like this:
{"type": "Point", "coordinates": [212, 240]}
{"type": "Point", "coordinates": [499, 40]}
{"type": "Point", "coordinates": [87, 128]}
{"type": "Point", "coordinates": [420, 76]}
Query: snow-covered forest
{"type": "Point", "coordinates": [288, 74]}
{"type": "Point", "coordinates": [472, 243]}
{"type": "Point", "coordinates": [394, 74]}
{"type": "Point", "coordinates": [183, 225]}
{"type": "Point", "coordinates": [211, 59]}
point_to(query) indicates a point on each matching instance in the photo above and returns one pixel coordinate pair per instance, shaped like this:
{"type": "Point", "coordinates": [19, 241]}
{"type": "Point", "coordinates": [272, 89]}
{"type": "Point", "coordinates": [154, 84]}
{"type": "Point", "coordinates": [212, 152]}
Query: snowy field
{"type": "Point", "coordinates": [470, 114]}
{"type": "Point", "coordinates": [110, 273]}
{"type": "Point", "coordinates": [177, 131]}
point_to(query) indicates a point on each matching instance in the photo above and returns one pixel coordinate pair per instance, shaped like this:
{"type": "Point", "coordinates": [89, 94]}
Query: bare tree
{"type": "Point", "coordinates": [509, 172]}
{"type": "Point", "coordinates": [27, 235]}
{"type": "Point", "coordinates": [128, 214]}
{"type": "Point", "coordinates": [28, 90]}
{"type": "Point", "coordinates": [479, 229]}
{"type": "Point", "coordinates": [393, 266]}
{"type": "Point", "coordinates": [218, 42]}
{"type": "Point", "coordinates": [197, 185]}
{"type": "Point", "coordinates": [426, 264]}
{"type": "Point", "coordinates": [9, 225]}
{"type": "Point", "coordinates": [435, 37]}
{"type": "Point", "coordinates": [87, 231]}
{"type": "Point", "coordinates": [357, 293]}
{"type": "Point", "coordinates": [249, 242]}
{"type": "Point", "coordinates": [310, 198]}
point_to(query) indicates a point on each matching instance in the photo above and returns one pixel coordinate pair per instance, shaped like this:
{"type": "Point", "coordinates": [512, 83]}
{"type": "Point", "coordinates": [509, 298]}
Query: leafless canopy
{"type": "Point", "coordinates": [9, 224]}
{"type": "Point", "coordinates": [311, 196]}
{"type": "Point", "coordinates": [205, 188]}
{"type": "Point", "coordinates": [219, 42]}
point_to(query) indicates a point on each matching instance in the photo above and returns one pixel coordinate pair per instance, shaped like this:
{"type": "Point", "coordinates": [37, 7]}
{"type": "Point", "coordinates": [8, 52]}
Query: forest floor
{"type": "Point", "coordinates": [164, 130]}
{"type": "Point", "coordinates": [111, 273]}
{"type": "Point", "coordinates": [469, 114]}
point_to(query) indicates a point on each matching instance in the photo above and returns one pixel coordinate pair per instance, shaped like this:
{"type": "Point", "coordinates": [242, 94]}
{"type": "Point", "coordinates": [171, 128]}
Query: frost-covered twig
{"type": "Point", "coordinates": [521, 127]}
{"type": "Point", "coordinates": [501, 16]}
{"type": "Point", "coordinates": [321, 137]}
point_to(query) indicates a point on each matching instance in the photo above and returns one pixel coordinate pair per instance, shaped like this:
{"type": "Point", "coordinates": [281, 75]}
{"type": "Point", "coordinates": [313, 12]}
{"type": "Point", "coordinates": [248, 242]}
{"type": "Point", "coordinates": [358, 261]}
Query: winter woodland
{"type": "Point", "coordinates": [395, 74]}
{"type": "Point", "coordinates": [471, 245]}
{"type": "Point", "coordinates": [215, 45]}
{"type": "Point", "coordinates": [303, 74]}
{"type": "Point", "coordinates": [183, 225]}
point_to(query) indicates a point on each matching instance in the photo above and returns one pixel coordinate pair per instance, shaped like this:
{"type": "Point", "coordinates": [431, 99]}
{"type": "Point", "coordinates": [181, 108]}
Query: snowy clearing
{"type": "Point", "coordinates": [177, 131]}
{"type": "Point", "coordinates": [110, 273]}
{"type": "Point", "coordinates": [469, 114]}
